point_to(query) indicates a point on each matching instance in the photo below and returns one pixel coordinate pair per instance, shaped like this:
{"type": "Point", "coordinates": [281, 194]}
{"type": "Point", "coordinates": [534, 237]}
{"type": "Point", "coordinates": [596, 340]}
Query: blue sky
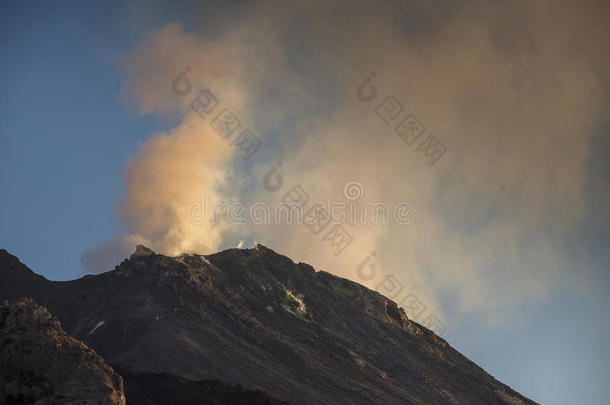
{"type": "Point", "coordinates": [67, 134]}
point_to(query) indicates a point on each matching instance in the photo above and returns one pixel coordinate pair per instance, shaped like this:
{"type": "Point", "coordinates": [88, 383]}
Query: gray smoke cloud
{"type": "Point", "coordinates": [512, 90]}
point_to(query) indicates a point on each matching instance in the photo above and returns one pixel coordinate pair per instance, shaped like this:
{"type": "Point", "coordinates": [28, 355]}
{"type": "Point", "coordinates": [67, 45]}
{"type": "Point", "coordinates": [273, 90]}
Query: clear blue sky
{"type": "Point", "coordinates": [66, 135]}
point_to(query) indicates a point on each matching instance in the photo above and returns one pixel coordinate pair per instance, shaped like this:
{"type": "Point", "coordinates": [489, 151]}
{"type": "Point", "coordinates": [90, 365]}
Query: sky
{"type": "Point", "coordinates": [109, 138]}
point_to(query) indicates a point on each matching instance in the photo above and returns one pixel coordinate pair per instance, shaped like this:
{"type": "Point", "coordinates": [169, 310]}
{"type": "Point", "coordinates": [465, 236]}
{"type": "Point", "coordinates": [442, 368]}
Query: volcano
{"type": "Point", "coordinates": [254, 322]}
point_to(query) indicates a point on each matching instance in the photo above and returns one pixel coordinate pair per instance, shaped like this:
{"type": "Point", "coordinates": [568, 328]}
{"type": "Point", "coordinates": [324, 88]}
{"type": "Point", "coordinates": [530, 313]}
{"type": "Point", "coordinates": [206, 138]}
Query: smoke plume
{"type": "Point", "coordinates": [513, 91]}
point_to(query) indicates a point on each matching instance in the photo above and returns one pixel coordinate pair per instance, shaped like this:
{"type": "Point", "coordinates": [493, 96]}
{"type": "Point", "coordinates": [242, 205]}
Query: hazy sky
{"type": "Point", "coordinates": [508, 234]}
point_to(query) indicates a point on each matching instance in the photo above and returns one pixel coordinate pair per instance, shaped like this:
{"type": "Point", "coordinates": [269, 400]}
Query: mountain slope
{"type": "Point", "coordinates": [165, 389]}
{"type": "Point", "coordinates": [40, 363]}
{"type": "Point", "coordinates": [255, 318]}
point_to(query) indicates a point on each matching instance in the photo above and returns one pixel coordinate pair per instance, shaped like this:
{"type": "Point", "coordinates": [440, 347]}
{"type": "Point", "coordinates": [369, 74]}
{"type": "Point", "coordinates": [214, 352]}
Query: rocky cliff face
{"type": "Point", "coordinates": [41, 364]}
{"type": "Point", "coordinates": [255, 318]}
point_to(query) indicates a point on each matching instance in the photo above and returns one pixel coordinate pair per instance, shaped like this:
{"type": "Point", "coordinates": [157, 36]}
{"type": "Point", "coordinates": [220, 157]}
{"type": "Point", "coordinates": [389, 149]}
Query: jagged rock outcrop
{"type": "Point", "coordinates": [40, 363]}
{"type": "Point", "coordinates": [255, 318]}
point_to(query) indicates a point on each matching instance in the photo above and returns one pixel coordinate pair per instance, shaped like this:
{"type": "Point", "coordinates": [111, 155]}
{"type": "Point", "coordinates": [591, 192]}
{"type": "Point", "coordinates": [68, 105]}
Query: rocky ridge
{"type": "Point", "coordinates": [255, 318]}
{"type": "Point", "coordinates": [42, 364]}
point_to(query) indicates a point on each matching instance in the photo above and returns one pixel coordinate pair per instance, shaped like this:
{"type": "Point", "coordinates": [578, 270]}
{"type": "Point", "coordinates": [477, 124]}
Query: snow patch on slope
{"type": "Point", "coordinates": [100, 323]}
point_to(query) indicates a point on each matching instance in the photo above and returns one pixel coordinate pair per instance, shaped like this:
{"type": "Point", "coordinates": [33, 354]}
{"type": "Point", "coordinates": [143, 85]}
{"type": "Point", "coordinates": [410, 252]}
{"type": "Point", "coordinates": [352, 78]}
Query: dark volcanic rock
{"type": "Point", "coordinates": [255, 318]}
{"type": "Point", "coordinates": [40, 363]}
{"type": "Point", "coordinates": [166, 389]}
